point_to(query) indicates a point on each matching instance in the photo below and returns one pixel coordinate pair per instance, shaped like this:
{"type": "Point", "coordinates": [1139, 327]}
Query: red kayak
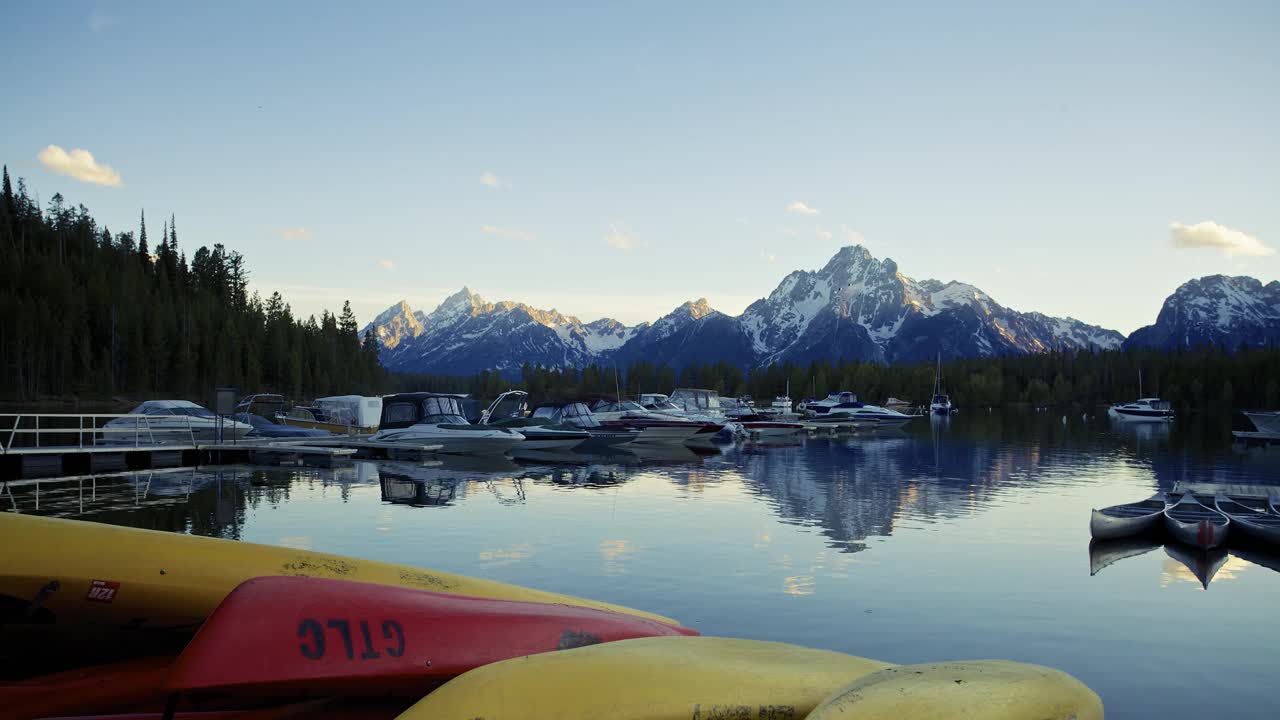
{"type": "Point", "coordinates": [91, 689]}
{"type": "Point", "coordinates": [298, 636]}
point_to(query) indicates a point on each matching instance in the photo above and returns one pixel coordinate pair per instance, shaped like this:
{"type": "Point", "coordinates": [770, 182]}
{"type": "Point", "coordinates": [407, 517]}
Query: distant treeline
{"type": "Point", "coordinates": [84, 311]}
{"type": "Point", "coordinates": [1208, 379]}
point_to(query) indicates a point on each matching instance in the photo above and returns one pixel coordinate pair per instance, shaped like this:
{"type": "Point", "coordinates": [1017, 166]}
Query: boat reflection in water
{"type": "Point", "coordinates": [1202, 565]}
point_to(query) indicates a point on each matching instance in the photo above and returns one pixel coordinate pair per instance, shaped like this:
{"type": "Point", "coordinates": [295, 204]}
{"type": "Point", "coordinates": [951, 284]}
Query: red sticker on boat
{"type": "Point", "coordinates": [102, 591]}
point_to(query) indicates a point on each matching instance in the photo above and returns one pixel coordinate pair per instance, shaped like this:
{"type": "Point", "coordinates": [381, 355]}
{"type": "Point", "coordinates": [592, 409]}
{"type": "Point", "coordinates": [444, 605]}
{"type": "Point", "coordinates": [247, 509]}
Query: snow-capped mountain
{"type": "Point", "coordinates": [467, 334]}
{"type": "Point", "coordinates": [855, 307]}
{"type": "Point", "coordinates": [1215, 310]}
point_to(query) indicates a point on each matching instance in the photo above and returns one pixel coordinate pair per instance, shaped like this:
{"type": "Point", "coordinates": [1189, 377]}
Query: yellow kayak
{"type": "Point", "coordinates": [77, 572]}
{"type": "Point", "coordinates": [987, 689]}
{"type": "Point", "coordinates": [676, 678]}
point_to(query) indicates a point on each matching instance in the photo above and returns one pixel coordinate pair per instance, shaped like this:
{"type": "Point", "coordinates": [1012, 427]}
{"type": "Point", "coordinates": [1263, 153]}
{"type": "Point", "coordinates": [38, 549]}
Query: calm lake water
{"type": "Point", "coordinates": [958, 539]}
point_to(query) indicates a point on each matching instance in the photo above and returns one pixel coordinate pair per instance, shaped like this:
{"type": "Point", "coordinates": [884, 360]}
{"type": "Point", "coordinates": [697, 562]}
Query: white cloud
{"type": "Point", "coordinates": [848, 234]}
{"type": "Point", "coordinates": [823, 233]}
{"type": "Point", "coordinates": [619, 237]}
{"type": "Point", "coordinates": [508, 232]}
{"type": "Point", "coordinates": [78, 164]}
{"type": "Point", "coordinates": [768, 256]}
{"type": "Point", "coordinates": [802, 209]}
{"type": "Point", "coordinates": [1209, 234]}
{"type": "Point", "coordinates": [294, 233]}
{"type": "Point", "coordinates": [386, 265]}
{"type": "Point", "coordinates": [488, 179]}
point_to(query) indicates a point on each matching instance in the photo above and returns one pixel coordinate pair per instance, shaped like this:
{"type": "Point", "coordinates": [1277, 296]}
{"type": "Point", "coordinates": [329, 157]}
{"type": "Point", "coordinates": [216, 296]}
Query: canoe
{"type": "Point", "coordinates": [988, 689]}
{"type": "Point", "coordinates": [666, 678]}
{"type": "Point", "coordinates": [1193, 524]}
{"type": "Point", "coordinates": [1261, 526]}
{"type": "Point", "coordinates": [77, 572]}
{"type": "Point", "coordinates": [1203, 564]}
{"type": "Point", "coordinates": [1128, 519]}
{"type": "Point", "coordinates": [278, 636]}
{"type": "Point", "coordinates": [1104, 553]}
{"type": "Point", "coordinates": [91, 689]}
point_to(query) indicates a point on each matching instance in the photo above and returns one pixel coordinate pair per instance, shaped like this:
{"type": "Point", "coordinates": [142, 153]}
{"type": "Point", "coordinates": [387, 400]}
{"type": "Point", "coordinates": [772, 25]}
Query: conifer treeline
{"type": "Point", "coordinates": [84, 311]}
{"type": "Point", "coordinates": [1209, 379]}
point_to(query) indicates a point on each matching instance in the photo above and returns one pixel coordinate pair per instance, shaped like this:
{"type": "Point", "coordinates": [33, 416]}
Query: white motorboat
{"type": "Point", "coordinates": [1265, 421]}
{"type": "Point", "coordinates": [1142, 410]}
{"type": "Point", "coordinates": [172, 422]}
{"type": "Point", "coordinates": [510, 410]}
{"type": "Point", "coordinates": [439, 419]}
{"type": "Point", "coordinates": [654, 427]}
{"type": "Point", "coordinates": [844, 408]}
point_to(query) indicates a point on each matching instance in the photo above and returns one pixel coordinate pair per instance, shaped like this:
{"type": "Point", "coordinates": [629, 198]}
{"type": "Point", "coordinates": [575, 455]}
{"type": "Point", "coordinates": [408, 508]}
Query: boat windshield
{"type": "Point", "coordinates": [509, 406]}
{"type": "Point", "coordinates": [610, 406]}
{"type": "Point", "coordinates": [696, 400]}
{"type": "Point", "coordinates": [443, 410]}
{"type": "Point", "coordinates": [664, 406]}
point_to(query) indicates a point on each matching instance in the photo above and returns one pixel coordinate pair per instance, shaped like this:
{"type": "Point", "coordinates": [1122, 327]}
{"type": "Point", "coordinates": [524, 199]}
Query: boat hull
{"type": "Point", "coordinates": [277, 636]}
{"type": "Point", "coordinates": [1106, 527]}
{"type": "Point", "coordinates": [1200, 530]}
{"type": "Point", "coordinates": [172, 580]}
{"type": "Point", "coordinates": [773, 429]}
{"type": "Point", "coordinates": [1153, 416]}
{"type": "Point", "coordinates": [92, 689]}
{"type": "Point", "coordinates": [1266, 422]}
{"type": "Point", "coordinates": [455, 442]}
{"type": "Point", "coordinates": [650, 679]}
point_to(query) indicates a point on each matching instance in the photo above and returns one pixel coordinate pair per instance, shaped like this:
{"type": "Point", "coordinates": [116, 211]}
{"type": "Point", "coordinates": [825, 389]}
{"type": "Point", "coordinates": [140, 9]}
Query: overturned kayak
{"type": "Point", "coordinates": [989, 689]}
{"type": "Point", "coordinates": [101, 687]}
{"type": "Point", "coordinates": [666, 678]}
{"type": "Point", "coordinates": [77, 572]}
{"type": "Point", "coordinates": [309, 636]}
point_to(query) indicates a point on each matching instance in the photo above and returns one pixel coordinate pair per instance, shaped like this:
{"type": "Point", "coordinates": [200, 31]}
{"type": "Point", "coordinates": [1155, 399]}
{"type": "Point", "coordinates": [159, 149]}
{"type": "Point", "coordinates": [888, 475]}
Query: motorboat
{"type": "Point", "coordinates": [171, 422]}
{"type": "Point", "coordinates": [263, 412]}
{"type": "Point", "coordinates": [894, 403]}
{"type": "Point", "coordinates": [1265, 421]}
{"type": "Point", "coordinates": [510, 410]}
{"type": "Point", "coordinates": [342, 414]}
{"type": "Point", "coordinates": [781, 405]}
{"type": "Point", "coordinates": [765, 427]}
{"type": "Point", "coordinates": [1142, 410]}
{"type": "Point", "coordinates": [694, 402]}
{"type": "Point", "coordinates": [578, 415]}
{"type": "Point", "coordinates": [654, 427]}
{"type": "Point", "coordinates": [437, 419]}
{"type": "Point", "coordinates": [844, 407]}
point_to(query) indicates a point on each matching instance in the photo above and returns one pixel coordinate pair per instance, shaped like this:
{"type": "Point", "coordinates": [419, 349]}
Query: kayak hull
{"type": "Point", "coordinates": [283, 636]}
{"type": "Point", "coordinates": [74, 572]}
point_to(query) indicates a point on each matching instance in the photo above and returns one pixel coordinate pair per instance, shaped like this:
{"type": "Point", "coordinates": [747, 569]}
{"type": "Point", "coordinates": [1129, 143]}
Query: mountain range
{"type": "Point", "coordinates": [855, 307]}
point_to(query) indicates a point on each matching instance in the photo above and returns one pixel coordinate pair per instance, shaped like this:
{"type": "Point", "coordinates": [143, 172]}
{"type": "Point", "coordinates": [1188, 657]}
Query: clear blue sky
{"type": "Point", "coordinates": [1039, 152]}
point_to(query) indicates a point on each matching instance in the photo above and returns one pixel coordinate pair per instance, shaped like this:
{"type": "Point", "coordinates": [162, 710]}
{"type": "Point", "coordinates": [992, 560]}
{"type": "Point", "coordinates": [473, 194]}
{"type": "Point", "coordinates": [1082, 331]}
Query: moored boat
{"type": "Point", "coordinates": [1127, 519]}
{"type": "Point", "coordinates": [348, 638]}
{"type": "Point", "coordinates": [172, 422]}
{"type": "Point", "coordinates": [578, 415]}
{"type": "Point", "coordinates": [1261, 526]}
{"type": "Point", "coordinates": [1142, 410]}
{"type": "Point", "coordinates": [1265, 421]}
{"type": "Point", "coordinates": [653, 427]}
{"type": "Point", "coordinates": [940, 403]}
{"type": "Point", "coordinates": [1191, 523]}
{"type": "Point", "coordinates": [510, 410]}
{"type": "Point", "coordinates": [340, 414]}
{"type": "Point", "coordinates": [439, 419]}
